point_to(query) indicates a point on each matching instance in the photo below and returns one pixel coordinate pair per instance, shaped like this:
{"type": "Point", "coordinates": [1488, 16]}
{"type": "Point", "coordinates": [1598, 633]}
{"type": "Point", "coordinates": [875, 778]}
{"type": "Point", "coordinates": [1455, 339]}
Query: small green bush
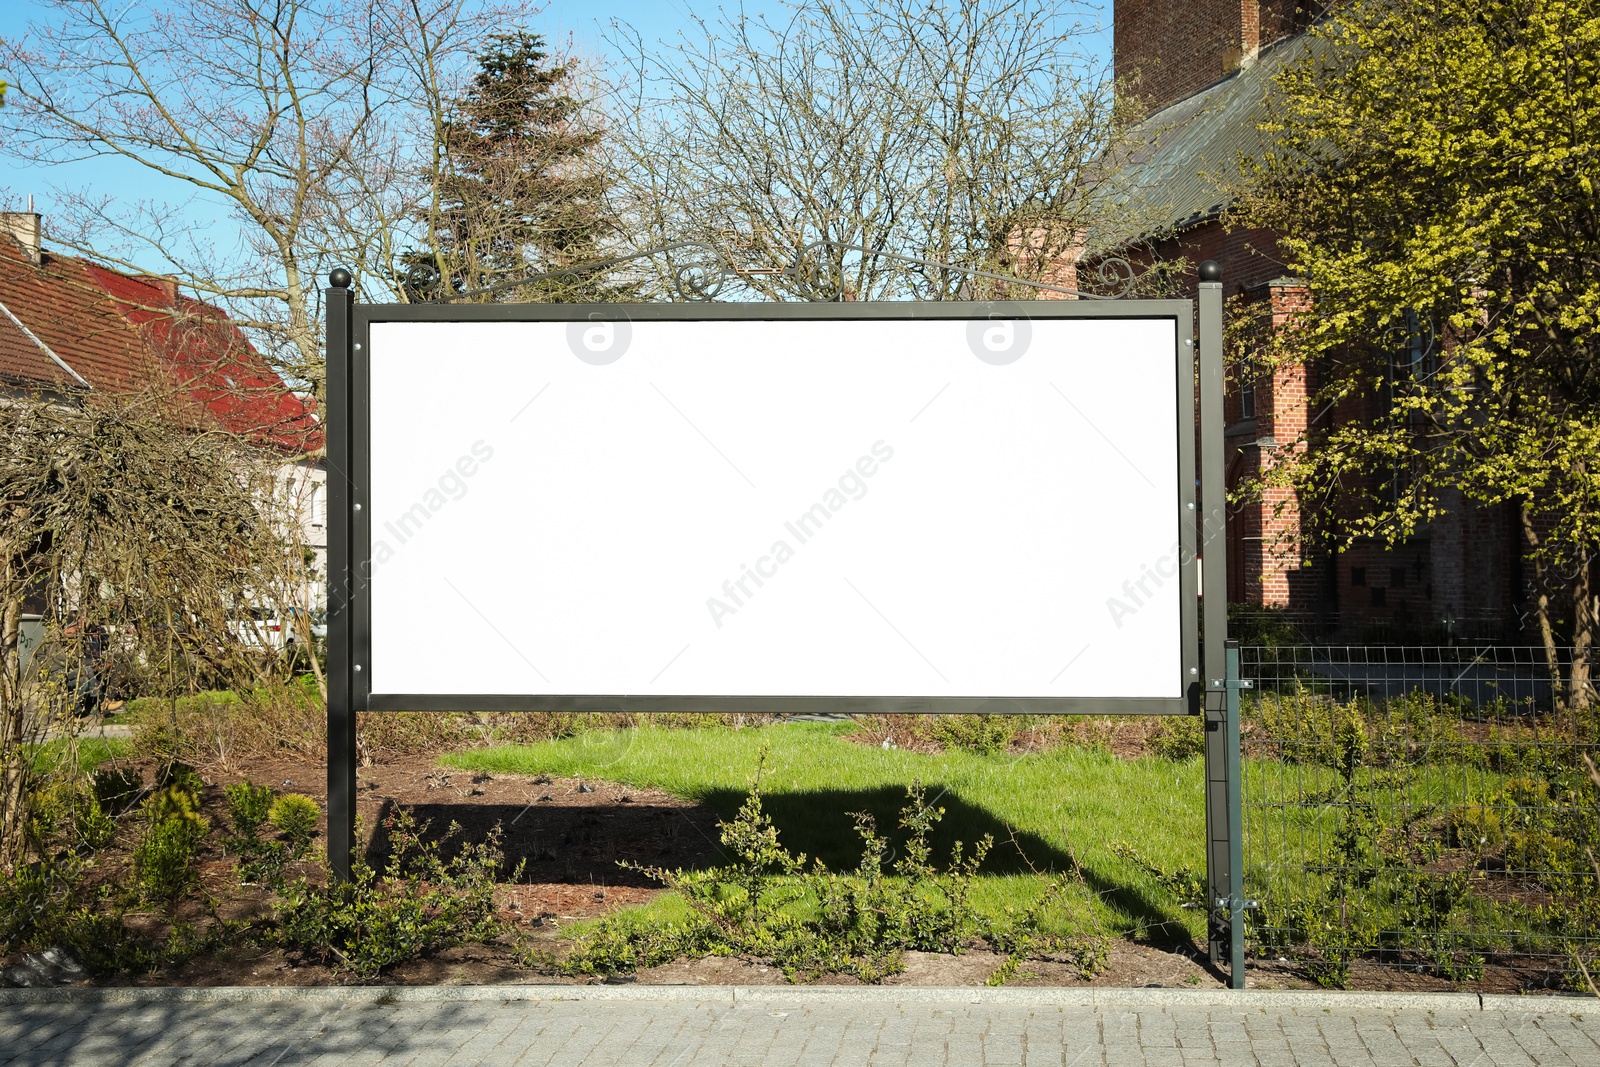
{"type": "Point", "coordinates": [36, 903]}
{"type": "Point", "coordinates": [260, 861]}
{"type": "Point", "coordinates": [1474, 826]}
{"type": "Point", "coordinates": [983, 734]}
{"type": "Point", "coordinates": [1537, 852]}
{"type": "Point", "coordinates": [423, 903]}
{"type": "Point", "coordinates": [1295, 725]}
{"type": "Point", "coordinates": [1179, 737]}
{"type": "Point", "coordinates": [295, 817]}
{"type": "Point", "coordinates": [249, 806]}
{"type": "Point", "coordinates": [96, 829]}
{"type": "Point", "coordinates": [179, 775]}
{"type": "Point", "coordinates": [164, 861]}
{"type": "Point", "coordinates": [65, 814]}
{"type": "Point", "coordinates": [1186, 884]}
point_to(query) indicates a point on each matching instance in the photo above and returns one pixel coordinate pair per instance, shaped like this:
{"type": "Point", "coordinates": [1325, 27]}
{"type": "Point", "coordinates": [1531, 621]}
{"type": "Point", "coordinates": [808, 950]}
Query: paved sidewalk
{"type": "Point", "coordinates": [783, 1027]}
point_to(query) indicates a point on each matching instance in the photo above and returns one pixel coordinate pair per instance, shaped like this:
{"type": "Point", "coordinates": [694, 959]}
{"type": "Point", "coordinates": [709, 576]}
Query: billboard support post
{"type": "Point", "coordinates": [341, 585]}
{"type": "Point", "coordinates": [1221, 717]}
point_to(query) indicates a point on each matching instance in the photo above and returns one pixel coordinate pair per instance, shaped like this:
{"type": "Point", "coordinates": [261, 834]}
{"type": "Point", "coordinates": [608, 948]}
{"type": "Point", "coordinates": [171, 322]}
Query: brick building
{"type": "Point", "coordinates": [1202, 70]}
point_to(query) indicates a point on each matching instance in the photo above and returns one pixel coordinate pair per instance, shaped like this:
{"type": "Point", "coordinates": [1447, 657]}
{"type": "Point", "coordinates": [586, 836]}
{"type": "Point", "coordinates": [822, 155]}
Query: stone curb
{"type": "Point", "coordinates": [734, 996]}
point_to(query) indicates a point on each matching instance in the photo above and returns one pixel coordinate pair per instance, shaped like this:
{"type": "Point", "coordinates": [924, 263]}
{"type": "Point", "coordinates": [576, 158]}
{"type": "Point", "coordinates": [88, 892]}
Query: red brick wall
{"type": "Point", "coordinates": [1282, 411]}
{"type": "Point", "coordinates": [1166, 51]}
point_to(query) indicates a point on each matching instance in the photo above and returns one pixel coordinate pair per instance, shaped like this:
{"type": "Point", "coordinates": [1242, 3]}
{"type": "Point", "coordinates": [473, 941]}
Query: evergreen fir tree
{"type": "Point", "coordinates": [521, 191]}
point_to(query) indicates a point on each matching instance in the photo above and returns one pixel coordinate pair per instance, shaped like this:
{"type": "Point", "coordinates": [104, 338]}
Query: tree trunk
{"type": "Point", "coordinates": [1580, 691]}
{"type": "Point", "coordinates": [13, 750]}
{"type": "Point", "coordinates": [1541, 605]}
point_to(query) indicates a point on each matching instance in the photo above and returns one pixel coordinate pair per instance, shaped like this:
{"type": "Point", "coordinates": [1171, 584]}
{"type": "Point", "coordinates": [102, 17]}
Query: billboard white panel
{"type": "Point", "coordinates": [866, 508]}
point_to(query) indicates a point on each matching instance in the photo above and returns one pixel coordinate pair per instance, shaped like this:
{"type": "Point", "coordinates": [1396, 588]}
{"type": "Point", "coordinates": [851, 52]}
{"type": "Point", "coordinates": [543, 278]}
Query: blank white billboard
{"type": "Point", "coordinates": [787, 508]}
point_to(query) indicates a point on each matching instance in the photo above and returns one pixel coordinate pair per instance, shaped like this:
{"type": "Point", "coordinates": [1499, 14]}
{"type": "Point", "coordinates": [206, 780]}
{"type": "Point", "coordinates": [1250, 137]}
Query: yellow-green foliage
{"type": "Point", "coordinates": [164, 859]}
{"type": "Point", "coordinates": [1435, 175]}
{"type": "Point", "coordinates": [249, 805]}
{"type": "Point", "coordinates": [1179, 737]}
{"type": "Point", "coordinates": [975, 733]}
{"type": "Point", "coordinates": [1474, 826]}
{"type": "Point", "coordinates": [295, 817]}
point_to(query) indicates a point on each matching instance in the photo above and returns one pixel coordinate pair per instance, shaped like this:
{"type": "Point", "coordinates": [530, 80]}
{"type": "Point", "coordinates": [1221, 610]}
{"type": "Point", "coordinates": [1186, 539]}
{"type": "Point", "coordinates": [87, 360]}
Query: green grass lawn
{"type": "Point", "coordinates": [1043, 809]}
{"type": "Point", "coordinates": [92, 751]}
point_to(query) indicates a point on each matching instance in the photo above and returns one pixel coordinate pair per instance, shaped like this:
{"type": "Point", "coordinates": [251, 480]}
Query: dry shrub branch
{"type": "Point", "coordinates": [131, 542]}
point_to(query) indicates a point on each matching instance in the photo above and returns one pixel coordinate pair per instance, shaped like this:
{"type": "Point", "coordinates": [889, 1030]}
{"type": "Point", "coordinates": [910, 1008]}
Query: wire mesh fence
{"type": "Point", "coordinates": [1425, 809]}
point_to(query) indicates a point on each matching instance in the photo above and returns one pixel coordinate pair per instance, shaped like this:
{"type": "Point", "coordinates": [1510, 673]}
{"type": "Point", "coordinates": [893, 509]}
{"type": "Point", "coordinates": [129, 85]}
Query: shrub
{"type": "Point", "coordinates": [164, 859]}
{"type": "Point", "coordinates": [248, 807]}
{"type": "Point", "coordinates": [65, 815]}
{"type": "Point", "coordinates": [179, 775]}
{"type": "Point", "coordinates": [295, 817]}
{"type": "Point", "coordinates": [1186, 884]}
{"type": "Point", "coordinates": [32, 902]}
{"type": "Point", "coordinates": [260, 861]}
{"type": "Point", "coordinates": [422, 903]}
{"type": "Point", "coordinates": [1474, 826]}
{"type": "Point", "coordinates": [1087, 952]}
{"type": "Point", "coordinates": [224, 726]}
{"type": "Point", "coordinates": [1179, 737]}
{"type": "Point", "coordinates": [1417, 727]}
{"type": "Point", "coordinates": [1296, 725]}
{"type": "Point", "coordinates": [1539, 853]}
{"type": "Point", "coordinates": [984, 734]}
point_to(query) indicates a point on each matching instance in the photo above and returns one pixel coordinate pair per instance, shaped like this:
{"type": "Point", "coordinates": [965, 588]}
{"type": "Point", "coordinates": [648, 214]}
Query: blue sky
{"type": "Point", "coordinates": [586, 24]}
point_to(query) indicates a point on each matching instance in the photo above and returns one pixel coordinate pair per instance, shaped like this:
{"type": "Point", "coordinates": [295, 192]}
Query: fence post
{"type": "Point", "coordinates": [341, 712]}
{"type": "Point", "coordinates": [1235, 778]}
{"type": "Point", "coordinates": [1220, 890]}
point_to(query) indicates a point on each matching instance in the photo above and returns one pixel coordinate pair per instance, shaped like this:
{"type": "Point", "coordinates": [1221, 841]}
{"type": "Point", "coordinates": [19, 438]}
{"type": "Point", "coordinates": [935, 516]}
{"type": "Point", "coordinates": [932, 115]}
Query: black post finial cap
{"type": "Point", "coordinates": [1211, 271]}
{"type": "Point", "coordinates": [339, 278]}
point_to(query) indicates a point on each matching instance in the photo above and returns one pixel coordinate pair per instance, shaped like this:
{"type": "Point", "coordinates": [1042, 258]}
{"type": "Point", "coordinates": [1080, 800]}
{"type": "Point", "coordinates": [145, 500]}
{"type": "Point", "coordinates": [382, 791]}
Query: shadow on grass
{"type": "Point", "coordinates": [582, 843]}
{"type": "Point", "coordinates": [819, 824]}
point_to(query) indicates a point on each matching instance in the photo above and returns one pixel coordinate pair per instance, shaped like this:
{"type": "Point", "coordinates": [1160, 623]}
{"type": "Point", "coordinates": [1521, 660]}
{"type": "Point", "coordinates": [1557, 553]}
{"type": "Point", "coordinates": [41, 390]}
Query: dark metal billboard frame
{"type": "Point", "coordinates": [1200, 497]}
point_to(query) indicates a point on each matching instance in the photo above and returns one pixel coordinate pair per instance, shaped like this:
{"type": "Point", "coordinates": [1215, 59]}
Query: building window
{"type": "Point", "coordinates": [1247, 389]}
{"type": "Point", "coordinates": [1397, 577]}
{"type": "Point", "coordinates": [1358, 576]}
{"type": "Point", "coordinates": [1379, 596]}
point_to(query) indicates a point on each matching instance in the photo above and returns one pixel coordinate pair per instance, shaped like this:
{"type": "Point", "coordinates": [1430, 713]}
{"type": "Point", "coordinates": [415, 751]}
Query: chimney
{"type": "Point", "coordinates": [25, 228]}
{"type": "Point", "coordinates": [1165, 52]}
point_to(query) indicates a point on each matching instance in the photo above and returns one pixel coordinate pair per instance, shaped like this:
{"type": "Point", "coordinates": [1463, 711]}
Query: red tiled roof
{"type": "Point", "coordinates": [126, 334]}
{"type": "Point", "coordinates": [21, 358]}
{"type": "Point", "coordinates": [68, 310]}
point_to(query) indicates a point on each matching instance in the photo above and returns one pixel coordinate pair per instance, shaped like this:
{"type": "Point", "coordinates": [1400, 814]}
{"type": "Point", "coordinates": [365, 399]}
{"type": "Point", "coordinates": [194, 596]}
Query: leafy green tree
{"type": "Point", "coordinates": [1435, 171]}
{"type": "Point", "coordinates": [520, 191]}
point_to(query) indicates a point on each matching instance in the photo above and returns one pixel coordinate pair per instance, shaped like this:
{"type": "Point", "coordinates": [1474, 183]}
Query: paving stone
{"type": "Point", "coordinates": [819, 1033]}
